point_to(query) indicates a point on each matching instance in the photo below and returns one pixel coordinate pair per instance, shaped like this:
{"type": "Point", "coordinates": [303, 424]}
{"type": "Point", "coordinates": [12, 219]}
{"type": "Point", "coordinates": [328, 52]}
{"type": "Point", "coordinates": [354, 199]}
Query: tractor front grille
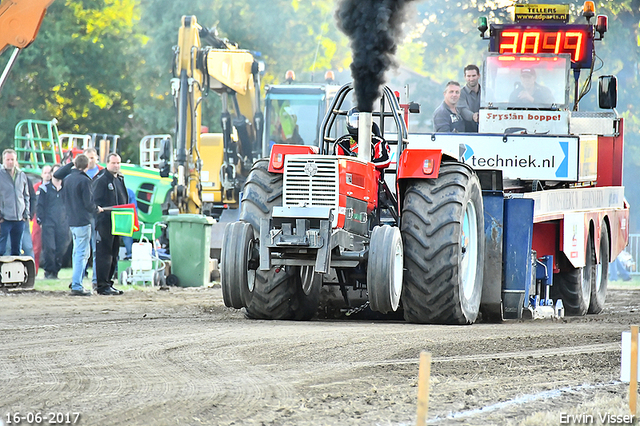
{"type": "Point", "coordinates": [311, 181]}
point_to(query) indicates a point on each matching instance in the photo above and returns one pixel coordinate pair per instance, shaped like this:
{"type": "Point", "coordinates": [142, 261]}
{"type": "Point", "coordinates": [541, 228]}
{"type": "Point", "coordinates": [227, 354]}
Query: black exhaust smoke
{"type": "Point", "coordinates": [374, 28]}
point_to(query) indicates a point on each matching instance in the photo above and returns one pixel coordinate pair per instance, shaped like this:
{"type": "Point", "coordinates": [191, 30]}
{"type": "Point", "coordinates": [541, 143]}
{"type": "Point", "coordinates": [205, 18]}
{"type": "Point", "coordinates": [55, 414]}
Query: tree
{"type": "Point", "coordinates": [78, 70]}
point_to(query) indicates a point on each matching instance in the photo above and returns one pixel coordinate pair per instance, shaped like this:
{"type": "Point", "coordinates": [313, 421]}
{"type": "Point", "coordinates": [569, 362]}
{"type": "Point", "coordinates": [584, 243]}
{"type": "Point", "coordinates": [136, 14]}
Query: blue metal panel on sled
{"type": "Point", "coordinates": [518, 237]}
{"type": "Point", "coordinates": [493, 200]}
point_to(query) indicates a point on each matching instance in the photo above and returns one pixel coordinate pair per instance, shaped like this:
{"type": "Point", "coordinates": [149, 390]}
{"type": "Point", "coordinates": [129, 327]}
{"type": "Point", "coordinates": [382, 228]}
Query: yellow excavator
{"type": "Point", "coordinates": [210, 168]}
{"type": "Point", "coordinates": [19, 25]}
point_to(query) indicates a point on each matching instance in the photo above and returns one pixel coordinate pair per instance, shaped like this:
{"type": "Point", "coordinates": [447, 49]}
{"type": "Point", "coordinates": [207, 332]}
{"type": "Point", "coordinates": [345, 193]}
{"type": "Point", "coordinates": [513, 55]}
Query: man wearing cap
{"type": "Point", "coordinates": [528, 91]}
{"type": "Point", "coordinates": [447, 118]}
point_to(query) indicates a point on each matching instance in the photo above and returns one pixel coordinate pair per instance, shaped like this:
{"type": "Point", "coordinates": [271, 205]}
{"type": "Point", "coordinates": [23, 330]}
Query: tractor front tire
{"type": "Point", "coordinates": [442, 231]}
{"type": "Point", "coordinates": [384, 270]}
{"type": "Point", "coordinates": [236, 279]}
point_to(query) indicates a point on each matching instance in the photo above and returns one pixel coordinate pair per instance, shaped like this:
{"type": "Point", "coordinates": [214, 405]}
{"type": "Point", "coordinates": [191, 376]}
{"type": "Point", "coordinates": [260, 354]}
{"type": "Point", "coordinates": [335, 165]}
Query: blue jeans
{"type": "Point", "coordinates": [12, 229]}
{"type": "Point", "coordinates": [128, 247]}
{"type": "Point", "coordinates": [81, 243]}
{"type": "Point", "coordinates": [94, 278]}
{"type": "Point", "coordinates": [27, 242]}
{"type": "Point", "coordinates": [26, 245]}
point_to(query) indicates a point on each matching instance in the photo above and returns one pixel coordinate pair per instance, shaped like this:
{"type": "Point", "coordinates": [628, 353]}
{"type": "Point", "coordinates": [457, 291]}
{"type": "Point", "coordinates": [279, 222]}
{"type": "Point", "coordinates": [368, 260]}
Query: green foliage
{"type": "Point", "coordinates": [78, 70]}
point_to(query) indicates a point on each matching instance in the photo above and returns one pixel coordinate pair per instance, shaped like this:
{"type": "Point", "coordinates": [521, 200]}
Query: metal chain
{"type": "Point", "coordinates": [357, 309]}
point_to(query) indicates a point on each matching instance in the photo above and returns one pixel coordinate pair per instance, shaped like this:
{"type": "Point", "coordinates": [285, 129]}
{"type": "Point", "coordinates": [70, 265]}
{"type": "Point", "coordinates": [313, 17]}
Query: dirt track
{"type": "Point", "coordinates": [179, 357]}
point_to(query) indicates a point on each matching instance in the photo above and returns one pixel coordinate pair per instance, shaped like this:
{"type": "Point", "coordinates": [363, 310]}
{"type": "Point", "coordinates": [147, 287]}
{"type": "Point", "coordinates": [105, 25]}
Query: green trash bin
{"type": "Point", "coordinates": [189, 245]}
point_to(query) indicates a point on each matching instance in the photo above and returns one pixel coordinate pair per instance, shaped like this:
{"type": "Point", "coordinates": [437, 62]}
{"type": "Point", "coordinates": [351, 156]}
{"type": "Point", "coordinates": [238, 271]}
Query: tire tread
{"type": "Point", "coordinates": [431, 293]}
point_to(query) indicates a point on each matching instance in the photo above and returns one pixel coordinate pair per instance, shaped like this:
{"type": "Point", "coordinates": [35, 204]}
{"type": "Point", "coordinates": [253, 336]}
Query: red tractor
{"type": "Point", "coordinates": [311, 218]}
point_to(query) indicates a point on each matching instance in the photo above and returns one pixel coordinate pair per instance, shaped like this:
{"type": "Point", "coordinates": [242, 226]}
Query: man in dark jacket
{"type": "Point", "coordinates": [108, 190]}
{"type": "Point", "coordinates": [27, 240]}
{"type": "Point", "coordinates": [36, 235]}
{"type": "Point", "coordinates": [528, 91]}
{"type": "Point", "coordinates": [93, 171]}
{"type": "Point", "coordinates": [52, 218]}
{"type": "Point", "coordinates": [14, 202]}
{"type": "Point", "coordinates": [81, 208]}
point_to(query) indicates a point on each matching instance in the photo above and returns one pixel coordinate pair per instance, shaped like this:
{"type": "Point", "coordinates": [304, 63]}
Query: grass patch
{"type": "Point", "coordinates": [633, 284]}
{"type": "Point", "coordinates": [64, 279]}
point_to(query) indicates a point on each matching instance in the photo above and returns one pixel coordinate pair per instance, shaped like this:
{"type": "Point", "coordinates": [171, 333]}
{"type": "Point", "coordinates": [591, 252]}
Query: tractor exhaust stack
{"type": "Point", "coordinates": [364, 136]}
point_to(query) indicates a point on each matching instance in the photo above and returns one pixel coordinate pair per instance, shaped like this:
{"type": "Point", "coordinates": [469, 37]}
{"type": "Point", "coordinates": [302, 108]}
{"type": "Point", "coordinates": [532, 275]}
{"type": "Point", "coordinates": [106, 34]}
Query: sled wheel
{"type": "Point", "coordinates": [599, 287]}
{"type": "Point", "coordinates": [384, 270]}
{"type": "Point", "coordinates": [573, 285]}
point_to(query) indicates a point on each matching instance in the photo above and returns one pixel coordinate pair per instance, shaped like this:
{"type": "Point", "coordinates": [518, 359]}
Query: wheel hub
{"type": "Point", "coordinates": [251, 273]}
{"type": "Point", "coordinates": [469, 250]}
{"type": "Point", "coordinates": [396, 284]}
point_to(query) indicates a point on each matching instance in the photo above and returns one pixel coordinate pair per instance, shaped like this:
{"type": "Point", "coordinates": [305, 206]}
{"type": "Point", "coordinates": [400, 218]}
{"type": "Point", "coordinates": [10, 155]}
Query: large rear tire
{"type": "Point", "coordinates": [601, 281]}
{"type": "Point", "coordinates": [442, 230]}
{"type": "Point", "coordinates": [574, 285]}
{"type": "Point", "coordinates": [384, 270]}
{"type": "Point", "coordinates": [278, 293]}
{"type": "Point", "coordinates": [236, 279]}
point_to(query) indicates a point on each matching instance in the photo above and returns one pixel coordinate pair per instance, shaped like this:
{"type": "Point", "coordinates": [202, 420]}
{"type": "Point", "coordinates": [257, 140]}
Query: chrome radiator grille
{"type": "Point", "coordinates": [310, 181]}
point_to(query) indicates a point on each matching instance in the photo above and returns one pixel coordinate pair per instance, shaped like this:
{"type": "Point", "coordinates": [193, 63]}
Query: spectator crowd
{"type": "Point", "coordinates": [69, 208]}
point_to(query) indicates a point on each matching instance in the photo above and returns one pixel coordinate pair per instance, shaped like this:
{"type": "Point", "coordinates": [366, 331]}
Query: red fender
{"type": "Point", "coordinates": [279, 152]}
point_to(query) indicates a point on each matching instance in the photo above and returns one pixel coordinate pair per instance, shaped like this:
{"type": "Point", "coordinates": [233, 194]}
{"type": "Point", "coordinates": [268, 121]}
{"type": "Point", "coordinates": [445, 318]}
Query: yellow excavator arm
{"type": "Point", "coordinates": [211, 168]}
{"type": "Point", "coordinates": [19, 25]}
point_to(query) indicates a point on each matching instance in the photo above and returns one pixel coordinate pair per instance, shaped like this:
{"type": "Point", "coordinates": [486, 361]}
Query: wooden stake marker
{"type": "Point", "coordinates": [633, 378]}
{"type": "Point", "coordinates": [424, 373]}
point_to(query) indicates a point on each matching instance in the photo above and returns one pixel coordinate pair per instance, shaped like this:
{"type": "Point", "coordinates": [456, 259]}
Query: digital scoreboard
{"type": "Point", "coordinates": [574, 39]}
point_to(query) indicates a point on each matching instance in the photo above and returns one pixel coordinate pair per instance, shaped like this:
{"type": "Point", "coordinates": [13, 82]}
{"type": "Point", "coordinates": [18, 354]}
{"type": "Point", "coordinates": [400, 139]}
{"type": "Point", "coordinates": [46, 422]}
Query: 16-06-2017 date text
{"type": "Point", "coordinates": [36, 418]}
